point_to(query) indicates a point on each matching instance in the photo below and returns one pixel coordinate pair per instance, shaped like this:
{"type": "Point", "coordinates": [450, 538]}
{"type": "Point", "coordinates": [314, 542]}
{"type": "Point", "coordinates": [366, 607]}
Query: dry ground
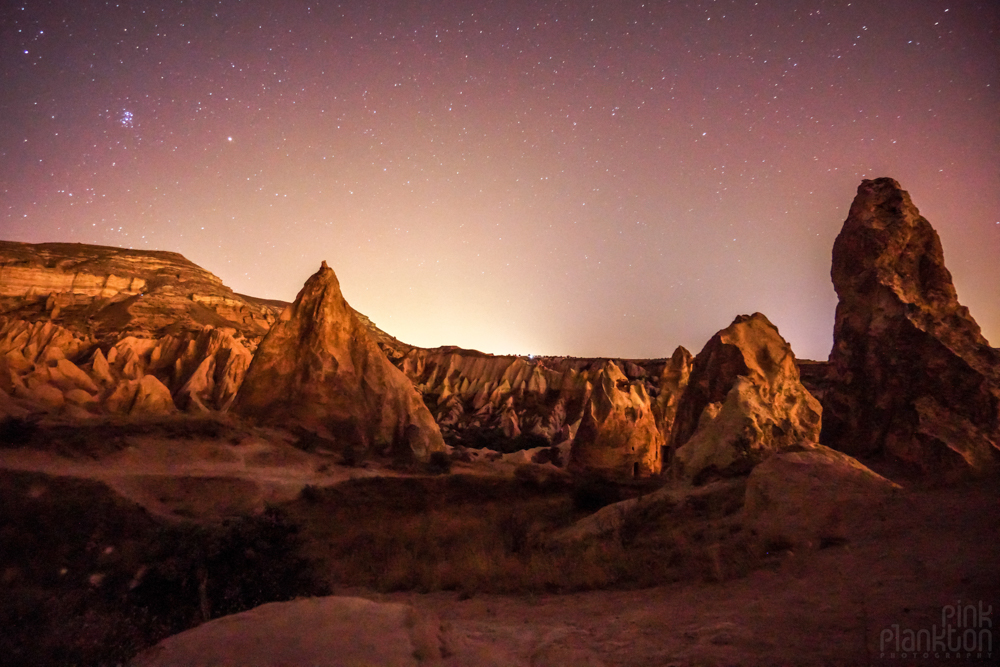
{"type": "Point", "coordinates": [687, 587]}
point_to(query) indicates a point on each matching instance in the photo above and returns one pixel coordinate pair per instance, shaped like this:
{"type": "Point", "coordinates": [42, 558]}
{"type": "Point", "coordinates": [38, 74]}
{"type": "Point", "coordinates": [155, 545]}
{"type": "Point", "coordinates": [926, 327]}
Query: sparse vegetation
{"type": "Point", "coordinates": [592, 492]}
{"type": "Point", "coordinates": [92, 579]}
{"type": "Point", "coordinates": [439, 463]}
{"type": "Point", "coordinates": [89, 578]}
{"type": "Point", "coordinates": [16, 431]}
{"type": "Point", "coordinates": [475, 534]}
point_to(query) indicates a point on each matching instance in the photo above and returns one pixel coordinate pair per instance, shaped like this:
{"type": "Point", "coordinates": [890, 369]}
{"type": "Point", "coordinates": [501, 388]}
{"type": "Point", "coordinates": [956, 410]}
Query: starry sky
{"type": "Point", "coordinates": [587, 179]}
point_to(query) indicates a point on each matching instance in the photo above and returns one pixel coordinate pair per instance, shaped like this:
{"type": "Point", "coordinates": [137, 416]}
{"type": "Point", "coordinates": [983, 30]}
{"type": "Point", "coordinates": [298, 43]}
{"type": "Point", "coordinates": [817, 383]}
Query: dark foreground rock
{"type": "Point", "coordinates": [912, 377]}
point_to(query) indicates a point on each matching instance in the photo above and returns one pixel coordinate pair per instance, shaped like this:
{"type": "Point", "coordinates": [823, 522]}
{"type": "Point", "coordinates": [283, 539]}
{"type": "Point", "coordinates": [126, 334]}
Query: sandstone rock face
{"type": "Point", "coordinates": [354, 632]}
{"type": "Point", "coordinates": [616, 413]}
{"type": "Point", "coordinates": [319, 368]}
{"type": "Point", "coordinates": [312, 631]}
{"type": "Point", "coordinates": [101, 320]}
{"type": "Point", "coordinates": [812, 495]}
{"type": "Point", "coordinates": [104, 291]}
{"type": "Point", "coordinates": [618, 429]}
{"type": "Point", "coordinates": [743, 402]}
{"type": "Point", "coordinates": [912, 376]}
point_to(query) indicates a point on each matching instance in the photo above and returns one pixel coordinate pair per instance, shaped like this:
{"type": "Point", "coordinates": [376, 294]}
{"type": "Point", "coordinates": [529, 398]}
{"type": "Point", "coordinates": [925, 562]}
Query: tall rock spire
{"type": "Point", "coordinates": [913, 377]}
{"type": "Point", "coordinates": [319, 368]}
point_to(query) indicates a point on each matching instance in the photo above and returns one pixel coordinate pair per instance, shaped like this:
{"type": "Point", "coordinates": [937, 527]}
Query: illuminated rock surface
{"type": "Point", "coordinates": [743, 402]}
{"type": "Point", "coordinates": [318, 367]}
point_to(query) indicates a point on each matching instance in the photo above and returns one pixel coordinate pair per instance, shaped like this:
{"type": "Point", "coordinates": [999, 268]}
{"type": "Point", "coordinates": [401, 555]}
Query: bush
{"type": "Point", "coordinates": [204, 572]}
{"type": "Point", "coordinates": [439, 463]}
{"type": "Point", "coordinates": [551, 455]}
{"type": "Point", "coordinates": [15, 431]}
{"type": "Point", "coordinates": [311, 494]}
{"type": "Point", "coordinates": [591, 493]}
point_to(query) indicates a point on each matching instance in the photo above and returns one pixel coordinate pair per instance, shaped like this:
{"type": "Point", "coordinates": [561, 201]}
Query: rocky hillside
{"type": "Point", "coordinates": [616, 412]}
{"type": "Point", "coordinates": [319, 368]}
{"type": "Point", "coordinates": [88, 330]}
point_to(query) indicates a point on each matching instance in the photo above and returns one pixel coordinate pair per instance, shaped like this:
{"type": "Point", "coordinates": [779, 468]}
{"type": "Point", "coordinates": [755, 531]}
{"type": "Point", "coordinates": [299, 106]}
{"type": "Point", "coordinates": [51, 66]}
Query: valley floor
{"type": "Point", "coordinates": [929, 549]}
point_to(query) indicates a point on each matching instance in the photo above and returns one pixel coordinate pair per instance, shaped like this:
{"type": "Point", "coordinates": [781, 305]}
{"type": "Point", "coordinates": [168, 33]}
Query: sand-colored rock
{"type": "Point", "coordinates": [319, 368]}
{"type": "Point", "coordinates": [743, 402]}
{"type": "Point", "coordinates": [151, 397]}
{"type": "Point", "coordinates": [618, 431]}
{"type": "Point", "coordinates": [100, 369]}
{"type": "Point", "coordinates": [80, 397]}
{"type": "Point", "coordinates": [353, 632]}
{"type": "Point", "coordinates": [109, 291]}
{"type": "Point", "coordinates": [812, 496]}
{"type": "Point", "coordinates": [214, 365]}
{"type": "Point", "coordinates": [339, 631]}
{"type": "Point", "coordinates": [546, 399]}
{"type": "Point", "coordinates": [146, 396]}
{"type": "Point", "coordinates": [71, 377]}
{"type": "Point", "coordinates": [44, 394]}
{"type": "Point", "coordinates": [912, 376]}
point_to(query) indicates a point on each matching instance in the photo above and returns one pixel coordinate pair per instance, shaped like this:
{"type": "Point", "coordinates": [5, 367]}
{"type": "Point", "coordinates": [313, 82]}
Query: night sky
{"type": "Point", "coordinates": [606, 179]}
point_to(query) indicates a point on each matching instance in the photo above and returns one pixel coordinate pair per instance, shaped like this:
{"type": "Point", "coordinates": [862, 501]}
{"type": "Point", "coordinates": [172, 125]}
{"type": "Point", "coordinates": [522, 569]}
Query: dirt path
{"type": "Point", "coordinates": [930, 550]}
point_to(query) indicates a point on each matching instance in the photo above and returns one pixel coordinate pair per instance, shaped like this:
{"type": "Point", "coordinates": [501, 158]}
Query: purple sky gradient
{"type": "Point", "coordinates": [613, 179]}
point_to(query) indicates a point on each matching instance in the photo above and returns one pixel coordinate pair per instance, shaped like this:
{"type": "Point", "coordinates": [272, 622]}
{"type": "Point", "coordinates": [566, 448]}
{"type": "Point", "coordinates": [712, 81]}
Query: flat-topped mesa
{"type": "Point", "coordinates": [319, 368]}
{"type": "Point", "coordinates": [912, 377]}
{"type": "Point", "coordinates": [744, 401]}
{"type": "Point", "coordinates": [108, 292]}
{"type": "Point", "coordinates": [138, 323]}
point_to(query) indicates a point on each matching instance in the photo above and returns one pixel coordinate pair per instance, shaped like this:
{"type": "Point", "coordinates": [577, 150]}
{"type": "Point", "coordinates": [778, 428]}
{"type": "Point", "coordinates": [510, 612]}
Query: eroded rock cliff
{"type": "Point", "coordinates": [912, 377]}
{"type": "Point", "coordinates": [150, 331]}
{"type": "Point", "coordinates": [616, 413]}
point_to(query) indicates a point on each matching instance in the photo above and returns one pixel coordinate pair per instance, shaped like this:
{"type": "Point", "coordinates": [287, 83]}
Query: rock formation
{"type": "Point", "coordinates": [354, 632]}
{"type": "Point", "coordinates": [318, 367]}
{"type": "Point", "coordinates": [743, 402]}
{"type": "Point", "coordinates": [912, 376]}
{"type": "Point", "coordinates": [91, 330]}
{"type": "Point", "coordinates": [811, 495]}
{"type": "Point", "coordinates": [616, 412]}
{"type": "Point", "coordinates": [102, 292]}
{"type": "Point", "coordinates": [309, 631]}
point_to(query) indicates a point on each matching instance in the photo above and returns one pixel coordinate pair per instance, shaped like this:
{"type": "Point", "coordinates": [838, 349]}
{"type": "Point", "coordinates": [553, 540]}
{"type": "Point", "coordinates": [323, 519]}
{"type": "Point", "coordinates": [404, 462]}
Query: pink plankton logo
{"type": "Point", "coordinates": [965, 633]}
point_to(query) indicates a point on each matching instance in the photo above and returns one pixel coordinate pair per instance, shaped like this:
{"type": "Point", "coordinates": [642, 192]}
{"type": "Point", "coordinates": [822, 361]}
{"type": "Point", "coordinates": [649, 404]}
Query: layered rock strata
{"type": "Point", "coordinates": [151, 332]}
{"type": "Point", "coordinates": [912, 377]}
{"type": "Point", "coordinates": [744, 401]}
{"type": "Point", "coordinates": [319, 368]}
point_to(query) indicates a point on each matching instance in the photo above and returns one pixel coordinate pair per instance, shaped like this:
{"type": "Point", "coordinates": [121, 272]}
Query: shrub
{"type": "Point", "coordinates": [311, 494]}
{"type": "Point", "coordinates": [202, 571]}
{"type": "Point", "coordinates": [439, 463]}
{"type": "Point", "coordinates": [591, 493]}
{"type": "Point", "coordinates": [15, 431]}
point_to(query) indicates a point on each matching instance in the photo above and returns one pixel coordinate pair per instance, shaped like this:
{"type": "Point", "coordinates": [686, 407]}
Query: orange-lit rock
{"type": "Point", "coordinates": [477, 398]}
{"type": "Point", "coordinates": [318, 367]}
{"type": "Point", "coordinates": [811, 495]}
{"type": "Point", "coordinates": [743, 402]}
{"type": "Point", "coordinates": [99, 318]}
